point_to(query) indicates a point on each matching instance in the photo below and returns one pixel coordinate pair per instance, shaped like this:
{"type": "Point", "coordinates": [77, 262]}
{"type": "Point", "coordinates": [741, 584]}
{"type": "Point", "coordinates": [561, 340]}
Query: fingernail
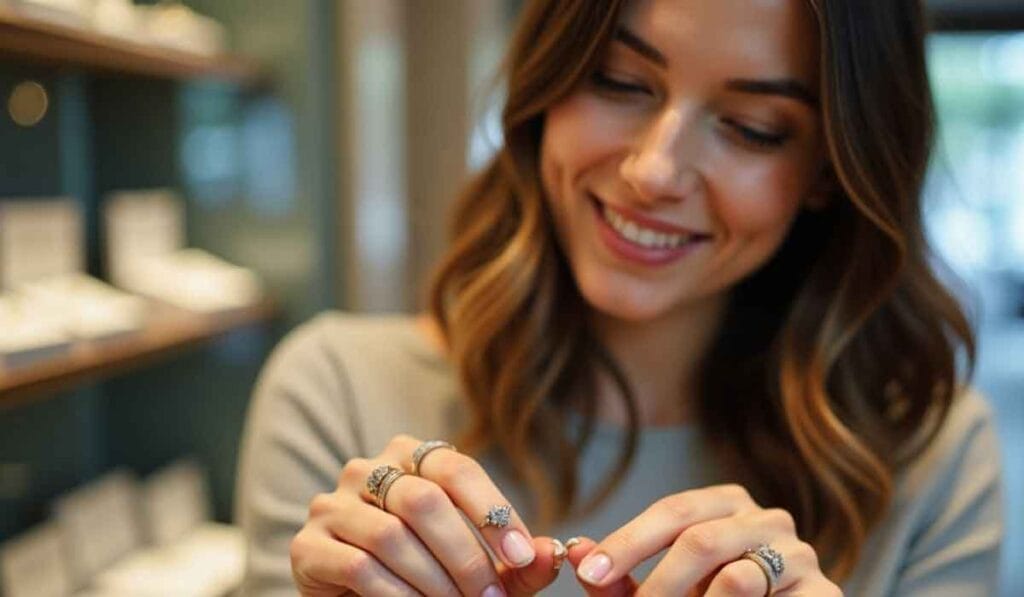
{"type": "Point", "coordinates": [573, 542]}
{"type": "Point", "coordinates": [595, 567]}
{"type": "Point", "coordinates": [517, 549]}
{"type": "Point", "coordinates": [559, 552]}
{"type": "Point", "coordinates": [493, 591]}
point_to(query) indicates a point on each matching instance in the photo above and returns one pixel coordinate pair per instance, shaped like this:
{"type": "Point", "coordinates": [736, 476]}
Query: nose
{"type": "Point", "coordinates": [658, 171]}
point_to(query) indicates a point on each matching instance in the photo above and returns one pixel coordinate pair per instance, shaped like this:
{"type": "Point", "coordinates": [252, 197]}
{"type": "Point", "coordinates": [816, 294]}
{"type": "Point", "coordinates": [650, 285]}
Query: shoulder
{"type": "Point", "coordinates": [378, 369]}
{"type": "Point", "coordinates": [944, 527]}
{"type": "Point", "coordinates": [966, 434]}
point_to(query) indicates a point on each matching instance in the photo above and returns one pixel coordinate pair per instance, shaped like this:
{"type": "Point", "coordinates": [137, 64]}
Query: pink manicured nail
{"type": "Point", "coordinates": [595, 567]}
{"type": "Point", "coordinates": [493, 591]}
{"type": "Point", "coordinates": [517, 549]}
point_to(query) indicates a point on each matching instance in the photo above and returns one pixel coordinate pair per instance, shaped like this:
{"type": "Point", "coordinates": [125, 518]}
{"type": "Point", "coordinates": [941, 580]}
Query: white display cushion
{"type": "Point", "coordinates": [138, 226]}
{"type": "Point", "coordinates": [34, 564]}
{"type": "Point", "coordinates": [28, 337]}
{"type": "Point", "coordinates": [195, 280]}
{"type": "Point", "coordinates": [87, 308]}
{"type": "Point", "coordinates": [175, 502]}
{"type": "Point", "coordinates": [100, 523]}
{"type": "Point", "coordinates": [40, 238]}
{"type": "Point", "coordinates": [209, 562]}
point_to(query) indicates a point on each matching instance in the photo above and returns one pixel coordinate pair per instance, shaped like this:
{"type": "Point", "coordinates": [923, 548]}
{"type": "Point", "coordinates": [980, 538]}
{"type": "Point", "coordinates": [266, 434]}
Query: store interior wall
{"type": "Point", "coordinates": [106, 133]}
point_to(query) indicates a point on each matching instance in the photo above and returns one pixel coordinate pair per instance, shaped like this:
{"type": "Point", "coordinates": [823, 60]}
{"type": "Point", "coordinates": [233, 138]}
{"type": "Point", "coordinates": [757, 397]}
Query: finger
{"type": "Point", "coordinates": [425, 508]}
{"type": "Point", "coordinates": [324, 566]}
{"type": "Point", "coordinates": [707, 546]}
{"type": "Point", "coordinates": [391, 541]}
{"type": "Point", "coordinates": [741, 578]}
{"type": "Point", "coordinates": [472, 490]}
{"type": "Point", "coordinates": [657, 527]}
{"type": "Point", "coordinates": [537, 575]}
{"type": "Point", "coordinates": [579, 548]}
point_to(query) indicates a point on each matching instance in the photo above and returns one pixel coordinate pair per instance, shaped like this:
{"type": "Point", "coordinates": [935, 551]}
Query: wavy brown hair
{"type": "Point", "coordinates": [841, 351]}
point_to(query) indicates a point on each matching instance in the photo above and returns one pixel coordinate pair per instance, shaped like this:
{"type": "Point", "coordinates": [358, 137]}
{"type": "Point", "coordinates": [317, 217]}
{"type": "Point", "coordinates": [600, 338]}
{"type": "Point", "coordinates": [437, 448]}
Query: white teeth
{"type": "Point", "coordinates": [644, 237]}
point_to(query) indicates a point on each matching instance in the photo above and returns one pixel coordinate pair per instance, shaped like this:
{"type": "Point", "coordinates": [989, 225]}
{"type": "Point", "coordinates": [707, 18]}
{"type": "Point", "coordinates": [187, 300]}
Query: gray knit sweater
{"type": "Point", "coordinates": [342, 385]}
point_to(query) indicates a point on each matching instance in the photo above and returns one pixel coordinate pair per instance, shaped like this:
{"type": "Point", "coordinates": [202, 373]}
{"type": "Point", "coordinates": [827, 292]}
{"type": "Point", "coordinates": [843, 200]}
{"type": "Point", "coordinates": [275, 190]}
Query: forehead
{"type": "Point", "coordinates": [741, 37]}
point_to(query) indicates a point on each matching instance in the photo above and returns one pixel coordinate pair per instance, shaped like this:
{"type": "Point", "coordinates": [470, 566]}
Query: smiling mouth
{"type": "Point", "coordinates": [644, 236]}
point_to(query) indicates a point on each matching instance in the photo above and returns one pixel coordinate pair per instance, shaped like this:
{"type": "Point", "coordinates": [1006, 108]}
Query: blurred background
{"type": "Point", "coordinates": [245, 164]}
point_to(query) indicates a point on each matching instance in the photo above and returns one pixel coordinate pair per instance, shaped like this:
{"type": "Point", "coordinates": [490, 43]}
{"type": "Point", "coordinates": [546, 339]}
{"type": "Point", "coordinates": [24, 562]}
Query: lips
{"type": "Point", "coordinates": [639, 239]}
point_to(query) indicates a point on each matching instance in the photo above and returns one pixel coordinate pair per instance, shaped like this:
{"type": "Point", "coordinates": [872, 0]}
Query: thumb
{"type": "Point", "coordinates": [579, 547]}
{"type": "Point", "coordinates": [535, 576]}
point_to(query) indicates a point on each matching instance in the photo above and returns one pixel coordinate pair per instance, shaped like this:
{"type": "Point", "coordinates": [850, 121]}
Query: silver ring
{"type": "Point", "coordinates": [426, 448]}
{"type": "Point", "coordinates": [376, 476]}
{"type": "Point", "coordinates": [385, 485]}
{"type": "Point", "coordinates": [771, 563]}
{"type": "Point", "coordinates": [497, 516]}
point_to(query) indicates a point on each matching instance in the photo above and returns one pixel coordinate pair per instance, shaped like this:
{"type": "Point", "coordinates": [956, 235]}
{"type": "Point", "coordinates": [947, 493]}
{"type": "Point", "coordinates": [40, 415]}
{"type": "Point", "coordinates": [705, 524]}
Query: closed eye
{"type": "Point", "coordinates": [756, 137]}
{"type": "Point", "coordinates": [604, 82]}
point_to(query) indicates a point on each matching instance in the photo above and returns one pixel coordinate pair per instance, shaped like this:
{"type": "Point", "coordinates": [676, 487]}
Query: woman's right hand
{"type": "Point", "coordinates": [419, 543]}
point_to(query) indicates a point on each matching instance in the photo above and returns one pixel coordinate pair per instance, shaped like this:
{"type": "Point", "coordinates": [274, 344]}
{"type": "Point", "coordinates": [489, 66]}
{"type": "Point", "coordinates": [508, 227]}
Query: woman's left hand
{"type": "Point", "coordinates": [707, 532]}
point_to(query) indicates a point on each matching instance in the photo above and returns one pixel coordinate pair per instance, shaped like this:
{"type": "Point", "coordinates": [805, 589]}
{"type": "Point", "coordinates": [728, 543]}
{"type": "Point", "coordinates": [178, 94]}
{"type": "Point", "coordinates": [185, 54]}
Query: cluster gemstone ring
{"type": "Point", "coordinates": [497, 516]}
{"type": "Point", "coordinates": [380, 481]}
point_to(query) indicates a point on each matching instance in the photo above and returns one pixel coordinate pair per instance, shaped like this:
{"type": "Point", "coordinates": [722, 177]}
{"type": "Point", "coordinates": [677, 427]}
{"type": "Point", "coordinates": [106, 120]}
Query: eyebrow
{"type": "Point", "coordinates": [786, 87]}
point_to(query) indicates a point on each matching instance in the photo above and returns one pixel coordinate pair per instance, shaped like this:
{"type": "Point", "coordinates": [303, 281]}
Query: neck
{"type": "Point", "coordinates": [660, 360]}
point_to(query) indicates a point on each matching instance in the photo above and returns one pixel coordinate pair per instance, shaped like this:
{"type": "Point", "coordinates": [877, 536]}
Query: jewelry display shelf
{"type": "Point", "coordinates": [168, 332]}
{"type": "Point", "coordinates": [27, 39]}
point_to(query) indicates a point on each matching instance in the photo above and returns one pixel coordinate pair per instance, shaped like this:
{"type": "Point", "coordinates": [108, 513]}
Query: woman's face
{"type": "Point", "coordinates": [677, 168]}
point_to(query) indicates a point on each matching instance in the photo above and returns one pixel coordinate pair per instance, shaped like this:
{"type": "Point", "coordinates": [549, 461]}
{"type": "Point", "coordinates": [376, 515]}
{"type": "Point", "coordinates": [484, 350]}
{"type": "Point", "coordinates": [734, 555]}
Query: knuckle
{"type": "Point", "coordinates": [624, 541]}
{"type": "Point", "coordinates": [357, 568]}
{"type": "Point", "coordinates": [699, 542]}
{"type": "Point", "coordinates": [387, 536]}
{"type": "Point", "coordinates": [737, 492]}
{"type": "Point", "coordinates": [298, 548]}
{"type": "Point", "coordinates": [399, 442]}
{"type": "Point", "coordinates": [459, 469]}
{"type": "Point", "coordinates": [678, 506]}
{"type": "Point", "coordinates": [354, 472]}
{"type": "Point", "coordinates": [805, 551]}
{"type": "Point", "coordinates": [321, 504]}
{"type": "Point", "coordinates": [782, 518]}
{"type": "Point", "coordinates": [736, 580]}
{"type": "Point", "coordinates": [421, 500]}
{"type": "Point", "coordinates": [475, 570]}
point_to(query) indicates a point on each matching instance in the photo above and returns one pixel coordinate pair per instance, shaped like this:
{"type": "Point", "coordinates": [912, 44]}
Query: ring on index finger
{"type": "Point", "coordinates": [426, 448]}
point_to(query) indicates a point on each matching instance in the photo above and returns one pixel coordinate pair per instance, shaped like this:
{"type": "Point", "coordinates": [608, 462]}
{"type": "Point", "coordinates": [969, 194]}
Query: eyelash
{"type": "Point", "coordinates": [752, 136]}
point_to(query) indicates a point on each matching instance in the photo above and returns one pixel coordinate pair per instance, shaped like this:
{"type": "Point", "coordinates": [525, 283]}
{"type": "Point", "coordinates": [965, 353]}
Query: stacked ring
{"type": "Point", "coordinates": [380, 481]}
{"type": "Point", "coordinates": [770, 562]}
{"type": "Point", "coordinates": [426, 448]}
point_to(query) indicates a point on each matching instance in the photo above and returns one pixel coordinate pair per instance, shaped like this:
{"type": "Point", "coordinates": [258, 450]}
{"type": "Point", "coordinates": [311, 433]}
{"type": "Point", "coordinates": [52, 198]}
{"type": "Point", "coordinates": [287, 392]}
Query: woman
{"type": "Point", "coordinates": [687, 308]}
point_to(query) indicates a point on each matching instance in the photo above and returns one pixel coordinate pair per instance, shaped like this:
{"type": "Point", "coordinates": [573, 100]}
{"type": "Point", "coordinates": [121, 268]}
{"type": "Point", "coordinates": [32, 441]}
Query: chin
{"type": "Point", "coordinates": [618, 301]}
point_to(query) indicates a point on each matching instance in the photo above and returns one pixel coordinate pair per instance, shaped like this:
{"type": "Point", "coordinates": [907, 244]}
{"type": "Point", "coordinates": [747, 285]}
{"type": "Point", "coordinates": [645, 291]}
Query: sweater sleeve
{"type": "Point", "coordinates": [300, 430]}
{"type": "Point", "coordinates": [956, 553]}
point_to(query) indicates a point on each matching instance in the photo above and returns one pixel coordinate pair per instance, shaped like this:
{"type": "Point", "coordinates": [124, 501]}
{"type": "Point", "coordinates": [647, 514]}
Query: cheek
{"type": "Point", "coordinates": [759, 208]}
{"type": "Point", "coordinates": [581, 134]}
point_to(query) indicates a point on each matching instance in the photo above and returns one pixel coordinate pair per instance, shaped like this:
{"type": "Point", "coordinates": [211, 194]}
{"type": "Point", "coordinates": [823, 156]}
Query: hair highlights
{"type": "Point", "coordinates": [840, 351]}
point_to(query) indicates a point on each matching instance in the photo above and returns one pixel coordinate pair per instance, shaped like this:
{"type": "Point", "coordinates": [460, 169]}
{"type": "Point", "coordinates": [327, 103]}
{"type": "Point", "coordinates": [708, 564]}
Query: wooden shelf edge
{"type": "Point", "coordinates": [29, 39]}
{"type": "Point", "coordinates": [88, 361]}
